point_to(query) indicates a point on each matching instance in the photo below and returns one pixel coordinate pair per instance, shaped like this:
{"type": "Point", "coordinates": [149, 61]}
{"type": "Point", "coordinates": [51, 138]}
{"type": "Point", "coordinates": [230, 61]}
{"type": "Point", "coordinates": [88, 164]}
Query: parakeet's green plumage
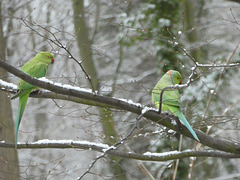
{"type": "Point", "coordinates": [37, 67]}
{"type": "Point", "coordinates": [171, 98]}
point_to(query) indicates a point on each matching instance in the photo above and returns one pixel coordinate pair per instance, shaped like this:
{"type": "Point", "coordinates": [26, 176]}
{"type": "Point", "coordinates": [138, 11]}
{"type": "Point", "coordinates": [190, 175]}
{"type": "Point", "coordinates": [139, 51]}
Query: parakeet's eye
{"type": "Point", "coordinates": [48, 56]}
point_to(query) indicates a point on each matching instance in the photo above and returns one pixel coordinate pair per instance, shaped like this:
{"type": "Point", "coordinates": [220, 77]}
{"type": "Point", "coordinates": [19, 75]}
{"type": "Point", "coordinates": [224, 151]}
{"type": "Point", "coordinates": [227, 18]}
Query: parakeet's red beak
{"type": "Point", "coordinates": [180, 82]}
{"type": "Point", "coordinates": [52, 60]}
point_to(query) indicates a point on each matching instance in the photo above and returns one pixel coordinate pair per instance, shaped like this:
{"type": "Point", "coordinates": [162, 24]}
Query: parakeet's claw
{"type": "Point", "coordinates": [179, 124]}
{"type": "Point", "coordinates": [39, 91]}
{"type": "Point", "coordinates": [36, 92]}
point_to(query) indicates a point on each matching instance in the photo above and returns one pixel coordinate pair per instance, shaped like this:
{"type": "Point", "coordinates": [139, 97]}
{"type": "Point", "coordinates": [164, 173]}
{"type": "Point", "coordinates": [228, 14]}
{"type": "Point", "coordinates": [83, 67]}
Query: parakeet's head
{"type": "Point", "coordinates": [45, 57]}
{"type": "Point", "coordinates": [176, 77]}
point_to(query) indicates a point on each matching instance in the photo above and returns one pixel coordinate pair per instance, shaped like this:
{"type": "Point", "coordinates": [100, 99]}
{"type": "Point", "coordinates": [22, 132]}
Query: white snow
{"type": "Point", "coordinates": [193, 68]}
{"type": "Point", "coordinates": [170, 131]}
{"type": "Point", "coordinates": [67, 86]}
{"type": "Point", "coordinates": [146, 109]}
{"type": "Point", "coordinates": [47, 141]}
{"type": "Point", "coordinates": [109, 148]}
{"type": "Point", "coordinates": [164, 22]}
{"type": "Point", "coordinates": [7, 85]}
{"type": "Point", "coordinates": [212, 91]}
{"type": "Point", "coordinates": [146, 134]}
{"type": "Point", "coordinates": [218, 65]}
{"type": "Point", "coordinates": [45, 80]}
{"type": "Point", "coordinates": [209, 127]}
{"type": "Point", "coordinates": [193, 158]}
{"type": "Point", "coordinates": [157, 131]}
{"type": "Point", "coordinates": [150, 154]}
{"type": "Point", "coordinates": [129, 101]}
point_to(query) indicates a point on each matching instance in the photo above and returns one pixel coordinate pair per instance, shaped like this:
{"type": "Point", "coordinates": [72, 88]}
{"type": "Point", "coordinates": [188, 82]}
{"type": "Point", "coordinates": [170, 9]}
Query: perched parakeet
{"type": "Point", "coordinates": [171, 98]}
{"type": "Point", "coordinates": [37, 67]}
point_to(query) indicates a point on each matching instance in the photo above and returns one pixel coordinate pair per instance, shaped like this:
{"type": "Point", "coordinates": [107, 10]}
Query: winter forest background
{"type": "Point", "coordinates": [124, 46]}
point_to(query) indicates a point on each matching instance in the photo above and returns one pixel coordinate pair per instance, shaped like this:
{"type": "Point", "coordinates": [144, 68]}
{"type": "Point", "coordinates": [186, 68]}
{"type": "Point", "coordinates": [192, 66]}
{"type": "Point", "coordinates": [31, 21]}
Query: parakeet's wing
{"type": "Point", "coordinates": [34, 69]}
{"type": "Point", "coordinates": [170, 97]}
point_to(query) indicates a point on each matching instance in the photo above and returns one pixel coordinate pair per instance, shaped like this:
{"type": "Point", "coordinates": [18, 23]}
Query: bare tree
{"type": "Point", "coordinates": [99, 121]}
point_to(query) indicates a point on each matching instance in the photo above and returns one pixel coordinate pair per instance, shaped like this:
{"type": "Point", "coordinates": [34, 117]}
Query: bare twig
{"type": "Point", "coordinates": [60, 45]}
{"type": "Point", "coordinates": [217, 83]}
{"type": "Point", "coordinates": [115, 146]}
{"type": "Point", "coordinates": [218, 65]}
{"type": "Point", "coordinates": [187, 54]}
{"type": "Point", "coordinates": [177, 162]}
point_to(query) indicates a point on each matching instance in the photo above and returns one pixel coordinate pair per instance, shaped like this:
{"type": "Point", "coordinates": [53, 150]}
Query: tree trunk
{"type": "Point", "coordinates": [189, 19]}
{"type": "Point", "coordinates": [106, 117]}
{"type": "Point", "coordinates": [9, 168]}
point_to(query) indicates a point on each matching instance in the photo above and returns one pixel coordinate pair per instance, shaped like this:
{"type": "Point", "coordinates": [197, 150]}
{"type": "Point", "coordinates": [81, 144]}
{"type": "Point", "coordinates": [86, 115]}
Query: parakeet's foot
{"type": "Point", "coordinates": [179, 124]}
{"type": "Point", "coordinates": [36, 92]}
{"type": "Point", "coordinates": [39, 91]}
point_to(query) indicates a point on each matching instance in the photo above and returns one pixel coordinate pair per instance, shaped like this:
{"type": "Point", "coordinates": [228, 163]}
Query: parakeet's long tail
{"type": "Point", "coordinates": [21, 106]}
{"type": "Point", "coordinates": [176, 111]}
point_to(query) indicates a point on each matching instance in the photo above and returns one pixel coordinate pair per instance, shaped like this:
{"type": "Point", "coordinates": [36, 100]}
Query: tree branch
{"type": "Point", "coordinates": [162, 119]}
{"type": "Point", "coordinates": [148, 156]}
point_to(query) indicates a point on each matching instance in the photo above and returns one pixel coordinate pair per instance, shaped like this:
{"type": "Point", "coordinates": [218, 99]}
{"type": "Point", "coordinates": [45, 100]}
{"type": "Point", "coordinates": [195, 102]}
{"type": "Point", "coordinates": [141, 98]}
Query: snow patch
{"type": "Point", "coordinates": [67, 86]}
{"type": "Point", "coordinates": [7, 85]}
{"type": "Point", "coordinates": [109, 148]}
{"type": "Point", "coordinates": [150, 154]}
{"type": "Point", "coordinates": [47, 141]}
{"type": "Point", "coordinates": [129, 101]}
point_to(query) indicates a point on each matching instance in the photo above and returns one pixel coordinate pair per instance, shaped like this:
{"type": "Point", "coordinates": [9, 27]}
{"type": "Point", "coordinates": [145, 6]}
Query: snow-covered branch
{"type": "Point", "coordinates": [162, 119]}
{"type": "Point", "coordinates": [147, 156]}
{"type": "Point", "coordinates": [219, 65]}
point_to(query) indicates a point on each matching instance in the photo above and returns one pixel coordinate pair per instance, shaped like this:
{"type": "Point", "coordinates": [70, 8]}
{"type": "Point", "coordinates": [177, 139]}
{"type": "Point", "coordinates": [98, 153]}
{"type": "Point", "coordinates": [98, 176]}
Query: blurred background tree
{"type": "Point", "coordinates": [125, 46]}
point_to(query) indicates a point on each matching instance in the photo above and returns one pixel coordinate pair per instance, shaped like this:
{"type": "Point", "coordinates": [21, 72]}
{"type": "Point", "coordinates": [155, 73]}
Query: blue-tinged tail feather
{"type": "Point", "coordinates": [176, 111]}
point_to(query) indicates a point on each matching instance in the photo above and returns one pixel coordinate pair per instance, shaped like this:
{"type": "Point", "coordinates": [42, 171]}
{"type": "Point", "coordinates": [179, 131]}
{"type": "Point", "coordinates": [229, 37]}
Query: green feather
{"type": "Point", "coordinates": [176, 111]}
{"type": "Point", "coordinates": [21, 106]}
{"type": "Point", "coordinates": [171, 98]}
{"type": "Point", "coordinates": [37, 67]}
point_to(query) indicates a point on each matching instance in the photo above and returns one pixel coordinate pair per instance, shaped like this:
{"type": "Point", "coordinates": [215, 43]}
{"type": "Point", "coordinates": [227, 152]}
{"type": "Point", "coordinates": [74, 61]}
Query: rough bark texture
{"type": "Point", "coordinates": [8, 157]}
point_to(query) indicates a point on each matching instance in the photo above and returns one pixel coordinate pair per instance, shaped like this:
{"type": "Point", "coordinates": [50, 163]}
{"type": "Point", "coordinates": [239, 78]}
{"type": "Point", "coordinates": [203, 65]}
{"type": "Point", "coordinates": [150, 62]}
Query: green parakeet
{"type": "Point", "coordinates": [37, 67]}
{"type": "Point", "coordinates": [171, 98]}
